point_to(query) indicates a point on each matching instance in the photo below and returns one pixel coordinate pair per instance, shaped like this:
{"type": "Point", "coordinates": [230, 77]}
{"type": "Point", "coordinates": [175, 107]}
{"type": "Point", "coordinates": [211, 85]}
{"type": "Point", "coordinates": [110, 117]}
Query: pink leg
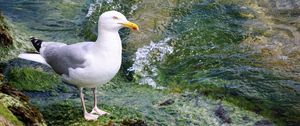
{"type": "Point", "coordinates": [87, 116]}
{"type": "Point", "coordinates": [96, 109]}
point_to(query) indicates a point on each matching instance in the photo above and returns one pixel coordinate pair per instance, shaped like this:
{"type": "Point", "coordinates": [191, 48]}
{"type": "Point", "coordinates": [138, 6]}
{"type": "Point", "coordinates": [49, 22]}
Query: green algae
{"type": "Point", "coordinates": [19, 39]}
{"type": "Point", "coordinates": [32, 79]}
{"type": "Point", "coordinates": [5, 38]}
{"type": "Point", "coordinates": [130, 103]}
{"type": "Point", "coordinates": [212, 83]}
{"type": "Point", "coordinates": [8, 116]}
{"type": "Point", "coordinates": [69, 113]}
{"type": "Point", "coordinates": [185, 110]}
{"type": "Point", "coordinates": [209, 58]}
{"type": "Point", "coordinates": [24, 112]}
{"type": "Point", "coordinates": [145, 107]}
{"type": "Point", "coordinates": [274, 40]}
{"type": "Point", "coordinates": [6, 45]}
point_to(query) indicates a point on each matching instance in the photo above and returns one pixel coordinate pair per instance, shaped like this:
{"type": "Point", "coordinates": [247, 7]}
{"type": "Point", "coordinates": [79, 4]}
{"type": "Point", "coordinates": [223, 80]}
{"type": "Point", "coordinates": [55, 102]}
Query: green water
{"type": "Point", "coordinates": [209, 57]}
{"type": "Point", "coordinates": [219, 52]}
{"type": "Point", "coordinates": [243, 55]}
{"type": "Point", "coordinates": [52, 20]}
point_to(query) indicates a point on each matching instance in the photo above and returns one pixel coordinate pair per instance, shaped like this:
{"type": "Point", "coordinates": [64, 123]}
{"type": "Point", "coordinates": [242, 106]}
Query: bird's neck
{"type": "Point", "coordinates": [108, 41]}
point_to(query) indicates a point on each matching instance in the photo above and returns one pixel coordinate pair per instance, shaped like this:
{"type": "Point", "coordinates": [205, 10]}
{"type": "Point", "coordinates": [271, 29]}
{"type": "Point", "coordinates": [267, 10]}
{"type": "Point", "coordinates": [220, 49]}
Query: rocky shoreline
{"type": "Point", "coordinates": [31, 94]}
{"type": "Point", "coordinates": [15, 108]}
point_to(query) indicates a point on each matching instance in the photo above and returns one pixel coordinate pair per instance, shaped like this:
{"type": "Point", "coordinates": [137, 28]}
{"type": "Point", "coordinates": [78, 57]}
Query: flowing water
{"type": "Point", "coordinates": [245, 52]}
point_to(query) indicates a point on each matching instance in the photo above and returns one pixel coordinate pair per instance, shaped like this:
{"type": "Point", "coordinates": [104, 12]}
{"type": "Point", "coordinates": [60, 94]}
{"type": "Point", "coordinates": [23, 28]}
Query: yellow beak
{"type": "Point", "coordinates": [131, 25]}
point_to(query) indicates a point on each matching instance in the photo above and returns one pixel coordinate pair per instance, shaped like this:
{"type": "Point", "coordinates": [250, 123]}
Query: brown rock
{"type": "Point", "coordinates": [6, 89]}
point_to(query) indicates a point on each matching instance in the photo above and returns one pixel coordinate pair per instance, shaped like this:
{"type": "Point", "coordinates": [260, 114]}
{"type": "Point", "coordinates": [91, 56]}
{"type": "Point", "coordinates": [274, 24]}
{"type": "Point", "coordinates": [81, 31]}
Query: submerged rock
{"type": "Point", "coordinates": [222, 114]}
{"type": "Point", "coordinates": [133, 123]}
{"type": "Point", "coordinates": [263, 123]}
{"type": "Point", "coordinates": [167, 102]}
{"type": "Point", "coordinates": [1, 72]}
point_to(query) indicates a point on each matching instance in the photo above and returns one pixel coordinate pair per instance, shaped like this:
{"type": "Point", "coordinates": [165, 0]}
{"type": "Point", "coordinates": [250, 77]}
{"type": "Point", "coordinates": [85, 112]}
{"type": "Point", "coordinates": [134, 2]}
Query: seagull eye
{"type": "Point", "coordinates": [115, 17]}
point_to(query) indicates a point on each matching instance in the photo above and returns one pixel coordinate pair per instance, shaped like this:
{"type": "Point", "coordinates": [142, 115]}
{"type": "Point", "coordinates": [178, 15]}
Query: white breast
{"type": "Point", "coordinates": [103, 61]}
{"type": "Point", "coordinates": [99, 69]}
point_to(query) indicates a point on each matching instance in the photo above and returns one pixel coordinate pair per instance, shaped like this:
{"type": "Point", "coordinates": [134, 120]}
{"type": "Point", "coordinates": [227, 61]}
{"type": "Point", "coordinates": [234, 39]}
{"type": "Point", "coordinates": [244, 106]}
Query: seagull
{"type": "Point", "coordinates": [86, 64]}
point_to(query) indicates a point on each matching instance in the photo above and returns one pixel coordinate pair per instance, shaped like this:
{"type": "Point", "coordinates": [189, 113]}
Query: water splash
{"type": "Point", "coordinates": [93, 7]}
{"type": "Point", "coordinates": [98, 3]}
{"type": "Point", "coordinates": [145, 61]}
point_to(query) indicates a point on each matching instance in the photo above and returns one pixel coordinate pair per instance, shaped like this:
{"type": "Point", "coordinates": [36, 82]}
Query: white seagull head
{"type": "Point", "coordinates": [114, 21]}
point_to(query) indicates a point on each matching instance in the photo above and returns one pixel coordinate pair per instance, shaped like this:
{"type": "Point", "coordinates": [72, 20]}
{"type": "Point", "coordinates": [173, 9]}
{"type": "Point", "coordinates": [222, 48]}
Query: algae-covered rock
{"type": "Point", "coordinates": [7, 118]}
{"type": "Point", "coordinates": [69, 112]}
{"type": "Point", "coordinates": [208, 57]}
{"type": "Point", "coordinates": [6, 89]}
{"type": "Point", "coordinates": [5, 37]}
{"type": "Point", "coordinates": [12, 40]}
{"type": "Point", "coordinates": [15, 108]}
{"type": "Point", "coordinates": [263, 123]}
{"type": "Point", "coordinates": [32, 79]}
{"type": "Point", "coordinates": [132, 104]}
{"type": "Point", "coordinates": [1, 72]}
{"type": "Point", "coordinates": [222, 114]}
{"type": "Point", "coordinates": [215, 70]}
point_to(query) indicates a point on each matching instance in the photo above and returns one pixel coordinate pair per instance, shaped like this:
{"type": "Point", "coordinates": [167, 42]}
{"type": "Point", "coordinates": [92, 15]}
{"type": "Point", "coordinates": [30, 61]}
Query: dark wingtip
{"type": "Point", "coordinates": [36, 43]}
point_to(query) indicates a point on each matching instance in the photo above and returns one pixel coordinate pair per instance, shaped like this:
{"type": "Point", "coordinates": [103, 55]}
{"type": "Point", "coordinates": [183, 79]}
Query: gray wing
{"type": "Point", "coordinates": [62, 57]}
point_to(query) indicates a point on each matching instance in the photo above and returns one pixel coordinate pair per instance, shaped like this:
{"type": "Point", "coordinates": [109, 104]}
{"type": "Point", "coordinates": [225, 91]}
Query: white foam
{"type": "Point", "coordinates": [146, 60]}
{"type": "Point", "coordinates": [93, 7]}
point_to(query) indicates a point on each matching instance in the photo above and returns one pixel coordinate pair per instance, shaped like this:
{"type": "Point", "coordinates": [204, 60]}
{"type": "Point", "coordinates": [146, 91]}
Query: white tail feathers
{"type": "Point", "coordinates": [33, 57]}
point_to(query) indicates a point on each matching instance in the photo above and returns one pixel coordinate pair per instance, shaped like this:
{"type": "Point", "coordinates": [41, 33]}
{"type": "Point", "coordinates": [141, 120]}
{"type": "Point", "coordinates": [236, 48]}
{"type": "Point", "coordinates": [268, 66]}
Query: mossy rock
{"type": "Point", "coordinates": [16, 110]}
{"type": "Point", "coordinates": [7, 118]}
{"type": "Point", "coordinates": [69, 112]}
{"type": "Point", "coordinates": [32, 79]}
{"type": "Point", "coordinates": [13, 39]}
{"type": "Point", "coordinates": [5, 37]}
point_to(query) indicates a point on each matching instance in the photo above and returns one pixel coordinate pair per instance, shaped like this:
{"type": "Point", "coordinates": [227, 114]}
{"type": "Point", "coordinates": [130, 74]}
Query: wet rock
{"type": "Point", "coordinates": [263, 123]}
{"type": "Point", "coordinates": [133, 123]}
{"type": "Point", "coordinates": [2, 65]}
{"type": "Point", "coordinates": [27, 114]}
{"type": "Point", "coordinates": [6, 89]}
{"type": "Point", "coordinates": [222, 114]}
{"type": "Point", "coordinates": [167, 102]}
{"type": "Point", "coordinates": [1, 76]}
{"type": "Point", "coordinates": [5, 37]}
